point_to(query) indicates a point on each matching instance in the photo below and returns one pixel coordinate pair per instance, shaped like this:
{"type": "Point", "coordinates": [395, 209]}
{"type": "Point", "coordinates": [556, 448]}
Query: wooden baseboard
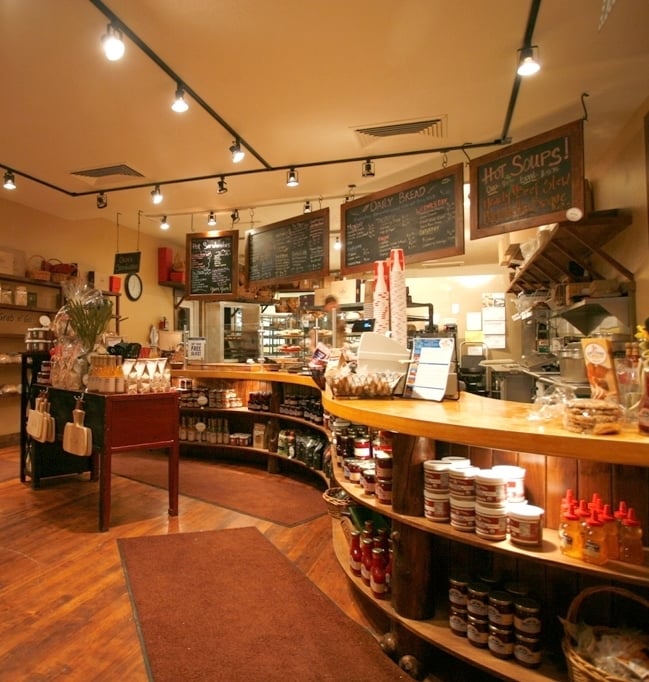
{"type": "Point", "coordinates": [7, 439]}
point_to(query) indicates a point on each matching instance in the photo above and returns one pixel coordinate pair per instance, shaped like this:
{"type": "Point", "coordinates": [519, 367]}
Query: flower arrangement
{"type": "Point", "coordinates": [642, 335]}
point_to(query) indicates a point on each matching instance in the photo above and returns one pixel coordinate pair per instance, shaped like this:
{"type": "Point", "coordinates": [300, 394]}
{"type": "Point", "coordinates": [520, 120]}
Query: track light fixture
{"type": "Point", "coordinates": [236, 151]}
{"type": "Point", "coordinates": [113, 43]}
{"type": "Point", "coordinates": [164, 225]}
{"type": "Point", "coordinates": [9, 181]}
{"type": "Point", "coordinates": [180, 104]}
{"type": "Point", "coordinates": [307, 206]}
{"type": "Point", "coordinates": [528, 63]}
{"type": "Point", "coordinates": [292, 178]}
{"type": "Point", "coordinates": [222, 186]}
{"type": "Point", "coordinates": [337, 244]}
{"type": "Point", "coordinates": [367, 170]}
{"type": "Point", "coordinates": [234, 216]}
{"type": "Point", "coordinates": [156, 195]}
{"type": "Point", "coordinates": [211, 219]}
{"type": "Point", "coordinates": [102, 200]}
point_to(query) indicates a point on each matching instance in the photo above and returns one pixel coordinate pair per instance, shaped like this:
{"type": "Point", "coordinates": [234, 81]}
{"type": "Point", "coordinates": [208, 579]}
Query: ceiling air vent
{"type": "Point", "coordinates": [105, 171]}
{"type": "Point", "coordinates": [433, 127]}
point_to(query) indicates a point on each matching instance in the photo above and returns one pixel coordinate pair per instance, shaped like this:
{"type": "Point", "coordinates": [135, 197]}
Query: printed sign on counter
{"type": "Point", "coordinates": [428, 372]}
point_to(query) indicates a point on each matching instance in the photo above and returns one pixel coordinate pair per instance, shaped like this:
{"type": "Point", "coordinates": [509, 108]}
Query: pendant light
{"type": "Point", "coordinates": [164, 225]}
{"type": "Point", "coordinates": [211, 219]}
{"type": "Point", "coordinates": [113, 43]}
{"type": "Point", "coordinates": [180, 105]}
{"type": "Point", "coordinates": [529, 62]}
{"type": "Point", "coordinates": [237, 152]}
{"type": "Point", "coordinates": [9, 181]}
{"type": "Point", "coordinates": [156, 195]}
{"type": "Point", "coordinates": [292, 179]}
{"type": "Point", "coordinates": [222, 186]}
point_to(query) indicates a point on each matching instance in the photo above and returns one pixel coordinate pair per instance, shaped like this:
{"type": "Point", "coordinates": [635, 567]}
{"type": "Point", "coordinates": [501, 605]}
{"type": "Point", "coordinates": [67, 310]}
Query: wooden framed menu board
{"type": "Point", "coordinates": [212, 265]}
{"type": "Point", "coordinates": [531, 183]}
{"type": "Point", "coordinates": [296, 248]}
{"type": "Point", "coordinates": [424, 217]}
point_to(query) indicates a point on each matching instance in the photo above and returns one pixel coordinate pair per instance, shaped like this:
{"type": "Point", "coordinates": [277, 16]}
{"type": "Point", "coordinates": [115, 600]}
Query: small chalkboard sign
{"type": "Point", "coordinates": [296, 248]}
{"type": "Point", "coordinates": [126, 263]}
{"type": "Point", "coordinates": [424, 217]}
{"type": "Point", "coordinates": [213, 265]}
{"type": "Point", "coordinates": [528, 184]}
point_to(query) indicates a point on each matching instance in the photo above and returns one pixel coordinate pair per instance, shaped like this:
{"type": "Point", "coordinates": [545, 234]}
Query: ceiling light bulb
{"type": "Point", "coordinates": [368, 169]}
{"type": "Point", "coordinates": [9, 181]}
{"type": "Point", "coordinates": [222, 186]}
{"type": "Point", "coordinates": [528, 65]}
{"type": "Point", "coordinates": [235, 216]}
{"type": "Point", "coordinates": [180, 105]}
{"type": "Point", "coordinates": [113, 43]}
{"type": "Point", "coordinates": [292, 179]}
{"type": "Point", "coordinates": [211, 219]}
{"type": "Point", "coordinates": [237, 152]}
{"type": "Point", "coordinates": [337, 244]}
{"type": "Point", "coordinates": [164, 225]}
{"type": "Point", "coordinates": [156, 195]}
{"type": "Point", "coordinates": [102, 200]}
{"type": "Point", "coordinates": [307, 207]}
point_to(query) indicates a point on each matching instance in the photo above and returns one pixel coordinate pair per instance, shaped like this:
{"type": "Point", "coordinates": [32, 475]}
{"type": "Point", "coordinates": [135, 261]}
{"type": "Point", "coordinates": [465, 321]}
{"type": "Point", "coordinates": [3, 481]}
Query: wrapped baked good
{"type": "Point", "coordinates": [590, 415]}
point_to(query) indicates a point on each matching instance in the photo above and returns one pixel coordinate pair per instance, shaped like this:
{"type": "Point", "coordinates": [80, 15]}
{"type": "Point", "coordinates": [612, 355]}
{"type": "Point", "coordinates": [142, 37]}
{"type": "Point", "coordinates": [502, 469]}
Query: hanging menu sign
{"type": "Point", "coordinates": [535, 182]}
{"type": "Point", "coordinates": [296, 248]}
{"type": "Point", "coordinates": [424, 217]}
{"type": "Point", "coordinates": [213, 265]}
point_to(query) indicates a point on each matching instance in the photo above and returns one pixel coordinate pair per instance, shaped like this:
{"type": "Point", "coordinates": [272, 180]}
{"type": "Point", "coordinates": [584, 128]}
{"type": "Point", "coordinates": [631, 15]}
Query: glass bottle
{"type": "Point", "coordinates": [377, 574]}
{"type": "Point", "coordinates": [631, 550]}
{"type": "Point", "coordinates": [643, 406]}
{"type": "Point", "coordinates": [119, 375]}
{"type": "Point", "coordinates": [594, 551]}
{"type": "Point", "coordinates": [570, 536]}
{"type": "Point", "coordinates": [355, 554]}
{"type": "Point", "coordinates": [366, 564]}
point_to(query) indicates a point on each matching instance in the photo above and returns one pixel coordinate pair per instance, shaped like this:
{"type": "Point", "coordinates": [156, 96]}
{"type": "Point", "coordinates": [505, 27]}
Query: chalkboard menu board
{"type": "Point", "coordinates": [424, 217]}
{"type": "Point", "coordinates": [212, 265]}
{"type": "Point", "coordinates": [296, 248]}
{"type": "Point", "coordinates": [531, 183]}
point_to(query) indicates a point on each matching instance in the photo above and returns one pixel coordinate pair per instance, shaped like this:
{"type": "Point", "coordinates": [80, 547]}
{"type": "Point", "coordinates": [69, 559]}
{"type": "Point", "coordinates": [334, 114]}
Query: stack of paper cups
{"type": "Point", "coordinates": [381, 296]}
{"type": "Point", "coordinates": [398, 296]}
{"type": "Point", "coordinates": [368, 301]}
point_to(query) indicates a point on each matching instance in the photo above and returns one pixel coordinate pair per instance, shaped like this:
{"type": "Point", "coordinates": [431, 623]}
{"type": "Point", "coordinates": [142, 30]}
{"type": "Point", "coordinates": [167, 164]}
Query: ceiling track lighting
{"type": "Point", "coordinates": [292, 178]}
{"type": "Point", "coordinates": [367, 171]}
{"type": "Point", "coordinates": [307, 207]}
{"type": "Point", "coordinates": [236, 151]}
{"type": "Point", "coordinates": [234, 216]}
{"type": "Point", "coordinates": [164, 225]}
{"type": "Point", "coordinates": [338, 244]}
{"type": "Point", "coordinates": [113, 43]}
{"type": "Point", "coordinates": [211, 219]}
{"type": "Point", "coordinates": [156, 195]}
{"type": "Point", "coordinates": [528, 63]}
{"type": "Point", "coordinates": [222, 186]}
{"type": "Point", "coordinates": [9, 181]}
{"type": "Point", "coordinates": [102, 200]}
{"type": "Point", "coordinates": [180, 105]}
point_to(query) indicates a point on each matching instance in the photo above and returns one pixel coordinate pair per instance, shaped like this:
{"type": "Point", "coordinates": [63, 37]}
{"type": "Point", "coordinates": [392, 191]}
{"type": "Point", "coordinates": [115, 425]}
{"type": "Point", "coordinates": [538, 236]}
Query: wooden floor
{"type": "Point", "coordinates": [65, 611]}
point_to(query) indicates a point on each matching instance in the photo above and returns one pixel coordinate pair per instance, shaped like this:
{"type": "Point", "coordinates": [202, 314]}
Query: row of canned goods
{"type": "Point", "coordinates": [509, 626]}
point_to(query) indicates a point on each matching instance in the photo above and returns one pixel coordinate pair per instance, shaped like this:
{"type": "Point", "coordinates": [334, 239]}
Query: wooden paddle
{"type": "Point", "coordinates": [35, 421]}
{"type": "Point", "coordinates": [77, 438]}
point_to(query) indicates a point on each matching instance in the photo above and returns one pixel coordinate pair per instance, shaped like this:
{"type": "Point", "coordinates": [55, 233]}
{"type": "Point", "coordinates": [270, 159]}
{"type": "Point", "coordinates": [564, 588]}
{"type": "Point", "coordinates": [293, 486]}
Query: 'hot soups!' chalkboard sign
{"type": "Point", "coordinates": [212, 265]}
{"type": "Point", "coordinates": [535, 182]}
{"type": "Point", "coordinates": [296, 248]}
{"type": "Point", "coordinates": [424, 217]}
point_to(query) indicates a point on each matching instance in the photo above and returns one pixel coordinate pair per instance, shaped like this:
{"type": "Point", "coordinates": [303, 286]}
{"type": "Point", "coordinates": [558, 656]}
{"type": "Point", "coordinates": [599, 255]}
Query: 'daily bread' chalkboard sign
{"type": "Point", "coordinates": [424, 217]}
{"type": "Point", "coordinates": [531, 183]}
{"type": "Point", "coordinates": [296, 248]}
{"type": "Point", "coordinates": [213, 265]}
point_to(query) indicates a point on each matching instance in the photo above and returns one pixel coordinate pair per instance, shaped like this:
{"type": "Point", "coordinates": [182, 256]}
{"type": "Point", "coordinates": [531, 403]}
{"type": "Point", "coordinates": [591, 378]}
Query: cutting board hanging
{"type": "Point", "coordinates": [36, 426]}
{"type": "Point", "coordinates": [77, 438]}
{"type": "Point", "coordinates": [49, 427]}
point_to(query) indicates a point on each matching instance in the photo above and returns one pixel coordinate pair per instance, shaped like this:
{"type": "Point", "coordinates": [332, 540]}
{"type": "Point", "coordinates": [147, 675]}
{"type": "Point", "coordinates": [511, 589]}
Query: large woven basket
{"type": "Point", "coordinates": [337, 501]}
{"type": "Point", "coordinates": [579, 668]}
{"type": "Point", "coordinates": [37, 268]}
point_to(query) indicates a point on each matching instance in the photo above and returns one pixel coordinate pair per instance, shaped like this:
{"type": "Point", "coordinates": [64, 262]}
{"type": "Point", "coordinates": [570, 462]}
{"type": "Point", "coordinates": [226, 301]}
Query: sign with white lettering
{"type": "Point", "coordinates": [424, 217]}
{"type": "Point", "coordinates": [535, 182]}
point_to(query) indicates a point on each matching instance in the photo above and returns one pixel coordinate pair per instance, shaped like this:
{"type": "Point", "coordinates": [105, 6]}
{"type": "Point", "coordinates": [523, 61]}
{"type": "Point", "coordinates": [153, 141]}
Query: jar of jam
{"type": "Point", "coordinates": [457, 620]}
{"type": "Point", "coordinates": [457, 591]}
{"type": "Point", "coordinates": [477, 631]}
{"type": "Point", "coordinates": [527, 616]}
{"type": "Point", "coordinates": [527, 650]}
{"type": "Point", "coordinates": [501, 641]}
{"type": "Point", "coordinates": [477, 600]}
{"type": "Point", "coordinates": [384, 490]}
{"type": "Point", "coordinates": [501, 608]}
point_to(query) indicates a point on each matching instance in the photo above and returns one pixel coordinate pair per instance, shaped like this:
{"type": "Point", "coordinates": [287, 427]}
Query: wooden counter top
{"type": "Point", "coordinates": [471, 420]}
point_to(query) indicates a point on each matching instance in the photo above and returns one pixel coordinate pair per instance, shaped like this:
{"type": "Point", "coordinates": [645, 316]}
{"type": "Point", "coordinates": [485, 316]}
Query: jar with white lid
{"type": "Point", "coordinates": [458, 462]}
{"type": "Point", "coordinates": [436, 475]}
{"type": "Point", "coordinates": [491, 521]}
{"type": "Point", "coordinates": [515, 477]}
{"type": "Point", "coordinates": [437, 506]}
{"type": "Point", "coordinates": [525, 524]}
{"type": "Point", "coordinates": [490, 487]}
{"type": "Point", "coordinates": [462, 514]}
{"type": "Point", "coordinates": [461, 482]}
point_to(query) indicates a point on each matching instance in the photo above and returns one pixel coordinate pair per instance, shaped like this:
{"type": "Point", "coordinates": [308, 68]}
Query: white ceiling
{"type": "Point", "coordinates": [295, 79]}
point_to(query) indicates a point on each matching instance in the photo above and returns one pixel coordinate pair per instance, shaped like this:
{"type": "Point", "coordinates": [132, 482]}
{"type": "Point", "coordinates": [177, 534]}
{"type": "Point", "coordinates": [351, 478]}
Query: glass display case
{"type": "Point", "coordinates": [283, 338]}
{"type": "Point", "coordinates": [231, 331]}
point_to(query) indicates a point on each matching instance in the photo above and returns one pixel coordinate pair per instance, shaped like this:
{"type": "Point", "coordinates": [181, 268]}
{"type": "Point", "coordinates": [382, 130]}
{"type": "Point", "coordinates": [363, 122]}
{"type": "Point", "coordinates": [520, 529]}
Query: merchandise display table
{"type": "Point", "coordinates": [119, 422]}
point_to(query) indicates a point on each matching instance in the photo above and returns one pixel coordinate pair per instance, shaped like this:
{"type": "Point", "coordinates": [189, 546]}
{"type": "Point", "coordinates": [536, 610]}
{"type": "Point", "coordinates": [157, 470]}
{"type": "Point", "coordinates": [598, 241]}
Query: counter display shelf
{"type": "Point", "coordinates": [489, 432]}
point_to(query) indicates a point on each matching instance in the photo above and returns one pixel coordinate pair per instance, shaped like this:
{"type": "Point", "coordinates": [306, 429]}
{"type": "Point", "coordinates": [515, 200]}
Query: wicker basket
{"type": "Point", "coordinates": [37, 268]}
{"type": "Point", "coordinates": [579, 668]}
{"type": "Point", "coordinates": [337, 501]}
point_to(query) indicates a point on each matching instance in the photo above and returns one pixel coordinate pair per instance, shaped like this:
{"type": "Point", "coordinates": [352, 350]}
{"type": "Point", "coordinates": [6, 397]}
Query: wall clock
{"type": "Point", "coordinates": [133, 286]}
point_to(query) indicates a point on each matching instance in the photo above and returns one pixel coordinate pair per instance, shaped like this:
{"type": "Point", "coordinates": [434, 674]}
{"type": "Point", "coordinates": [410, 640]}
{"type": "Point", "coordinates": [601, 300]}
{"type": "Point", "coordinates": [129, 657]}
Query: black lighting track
{"type": "Point", "coordinates": [118, 23]}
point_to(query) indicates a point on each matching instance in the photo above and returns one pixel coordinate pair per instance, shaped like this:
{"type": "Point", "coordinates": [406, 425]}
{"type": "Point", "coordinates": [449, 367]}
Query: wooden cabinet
{"type": "Point", "coordinates": [282, 398]}
{"type": "Point", "coordinates": [498, 432]}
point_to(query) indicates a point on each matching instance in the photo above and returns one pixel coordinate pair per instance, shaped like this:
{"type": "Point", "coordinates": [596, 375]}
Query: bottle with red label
{"type": "Point", "coordinates": [377, 574]}
{"type": "Point", "coordinates": [355, 554]}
